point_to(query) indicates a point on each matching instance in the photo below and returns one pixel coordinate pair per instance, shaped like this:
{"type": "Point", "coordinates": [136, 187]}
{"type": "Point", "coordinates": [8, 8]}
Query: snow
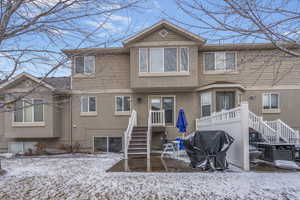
{"type": "Point", "coordinates": [7, 155]}
{"type": "Point", "coordinates": [83, 177]}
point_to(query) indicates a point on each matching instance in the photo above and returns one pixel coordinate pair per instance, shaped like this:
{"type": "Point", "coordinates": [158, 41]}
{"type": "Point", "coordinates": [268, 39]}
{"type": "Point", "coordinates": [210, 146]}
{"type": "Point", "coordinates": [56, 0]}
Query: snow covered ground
{"type": "Point", "coordinates": [84, 177]}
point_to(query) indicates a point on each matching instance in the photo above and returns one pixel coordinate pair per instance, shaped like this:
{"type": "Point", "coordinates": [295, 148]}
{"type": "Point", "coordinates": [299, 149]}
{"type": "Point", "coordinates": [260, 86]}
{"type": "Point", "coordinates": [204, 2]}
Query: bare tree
{"type": "Point", "coordinates": [33, 32]}
{"type": "Point", "coordinates": [274, 21]}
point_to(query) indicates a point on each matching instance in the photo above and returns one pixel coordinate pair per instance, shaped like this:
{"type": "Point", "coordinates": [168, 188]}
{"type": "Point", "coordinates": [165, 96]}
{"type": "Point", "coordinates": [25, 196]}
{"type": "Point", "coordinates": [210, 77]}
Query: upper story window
{"type": "Point", "coordinates": [84, 64]}
{"type": "Point", "coordinates": [219, 61]}
{"type": "Point", "coordinates": [270, 101]}
{"type": "Point", "coordinates": [88, 105]}
{"type": "Point", "coordinates": [29, 110]}
{"type": "Point", "coordinates": [164, 59]}
{"type": "Point", "coordinates": [122, 104]}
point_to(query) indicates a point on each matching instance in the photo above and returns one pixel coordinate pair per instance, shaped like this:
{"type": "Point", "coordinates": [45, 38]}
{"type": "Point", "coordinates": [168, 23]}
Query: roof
{"type": "Point", "coordinates": [168, 25]}
{"type": "Point", "coordinates": [52, 83]}
{"type": "Point", "coordinates": [221, 84]}
{"type": "Point", "coordinates": [110, 50]}
{"type": "Point", "coordinates": [241, 46]}
{"type": "Point", "coordinates": [58, 82]}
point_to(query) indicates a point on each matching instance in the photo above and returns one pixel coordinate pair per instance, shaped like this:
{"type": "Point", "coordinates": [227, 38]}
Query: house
{"type": "Point", "coordinates": [161, 69]}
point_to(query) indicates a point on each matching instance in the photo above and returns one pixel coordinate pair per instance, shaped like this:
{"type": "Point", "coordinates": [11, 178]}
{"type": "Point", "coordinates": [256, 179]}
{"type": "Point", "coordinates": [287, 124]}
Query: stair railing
{"type": "Point", "coordinates": [267, 132]}
{"type": "Point", "coordinates": [132, 122]}
{"type": "Point", "coordinates": [285, 131]}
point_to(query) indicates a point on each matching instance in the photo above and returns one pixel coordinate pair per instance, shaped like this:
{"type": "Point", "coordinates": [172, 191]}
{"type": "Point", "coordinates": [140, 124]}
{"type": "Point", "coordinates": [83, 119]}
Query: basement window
{"type": "Point", "coordinates": [107, 144]}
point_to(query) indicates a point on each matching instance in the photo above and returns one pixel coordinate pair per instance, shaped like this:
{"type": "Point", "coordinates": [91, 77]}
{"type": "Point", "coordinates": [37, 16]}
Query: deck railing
{"type": "Point", "coordinates": [157, 117]}
{"type": "Point", "coordinates": [127, 134]}
{"type": "Point", "coordinates": [232, 115]}
{"type": "Point", "coordinates": [219, 117]}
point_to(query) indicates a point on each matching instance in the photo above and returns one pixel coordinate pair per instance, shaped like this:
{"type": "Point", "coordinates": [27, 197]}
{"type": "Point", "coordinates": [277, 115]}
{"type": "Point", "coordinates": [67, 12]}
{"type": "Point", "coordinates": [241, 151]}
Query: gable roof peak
{"type": "Point", "coordinates": [164, 24]}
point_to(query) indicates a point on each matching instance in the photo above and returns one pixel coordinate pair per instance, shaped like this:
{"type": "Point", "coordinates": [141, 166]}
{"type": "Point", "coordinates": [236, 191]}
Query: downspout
{"type": "Point", "coordinates": [71, 119]}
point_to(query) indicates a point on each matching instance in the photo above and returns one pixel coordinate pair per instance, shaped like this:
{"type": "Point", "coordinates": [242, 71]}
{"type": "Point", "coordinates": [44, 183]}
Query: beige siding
{"type": "Point", "coordinates": [163, 81]}
{"type": "Point", "coordinates": [46, 131]}
{"type": "Point", "coordinates": [289, 106]}
{"type": "Point", "coordinates": [112, 72]}
{"type": "Point", "coordinates": [155, 36]}
{"type": "Point", "coordinates": [258, 68]}
{"type": "Point", "coordinates": [105, 123]}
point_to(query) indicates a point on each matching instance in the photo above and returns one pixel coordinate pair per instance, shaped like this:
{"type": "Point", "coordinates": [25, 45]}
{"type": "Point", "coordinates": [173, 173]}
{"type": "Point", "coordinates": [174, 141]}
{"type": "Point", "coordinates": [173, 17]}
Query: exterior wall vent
{"type": "Point", "coordinates": [163, 33]}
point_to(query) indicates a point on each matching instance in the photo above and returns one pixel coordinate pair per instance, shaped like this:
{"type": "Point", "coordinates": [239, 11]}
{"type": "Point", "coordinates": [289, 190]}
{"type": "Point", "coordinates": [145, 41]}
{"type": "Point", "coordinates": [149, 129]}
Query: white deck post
{"type": "Point", "coordinates": [245, 133]}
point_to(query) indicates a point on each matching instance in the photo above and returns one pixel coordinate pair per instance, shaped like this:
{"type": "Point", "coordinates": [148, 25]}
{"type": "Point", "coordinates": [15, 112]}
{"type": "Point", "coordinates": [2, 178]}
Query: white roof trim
{"type": "Point", "coordinates": [220, 86]}
{"type": "Point", "coordinates": [164, 22]}
{"type": "Point", "coordinates": [28, 76]}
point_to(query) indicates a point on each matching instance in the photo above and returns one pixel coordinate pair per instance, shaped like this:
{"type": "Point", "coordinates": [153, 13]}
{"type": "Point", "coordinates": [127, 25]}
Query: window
{"type": "Point", "coordinates": [88, 104]}
{"type": "Point", "coordinates": [163, 60]}
{"type": "Point", "coordinates": [143, 56]}
{"type": "Point", "coordinates": [184, 59]}
{"type": "Point", "coordinates": [270, 101]}
{"type": "Point", "coordinates": [206, 101]}
{"type": "Point", "coordinates": [31, 110]}
{"type": "Point", "coordinates": [122, 104]}
{"type": "Point", "coordinates": [107, 144]}
{"type": "Point", "coordinates": [85, 64]}
{"type": "Point", "coordinates": [220, 61]}
{"type": "Point", "coordinates": [168, 106]}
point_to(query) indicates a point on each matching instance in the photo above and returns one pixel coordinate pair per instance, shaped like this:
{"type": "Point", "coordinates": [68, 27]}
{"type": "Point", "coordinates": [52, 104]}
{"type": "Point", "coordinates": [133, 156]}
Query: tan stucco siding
{"type": "Point", "coordinates": [105, 123]}
{"type": "Point", "coordinates": [189, 101]}
{"type": "Point", "coordinates": [111, 72]}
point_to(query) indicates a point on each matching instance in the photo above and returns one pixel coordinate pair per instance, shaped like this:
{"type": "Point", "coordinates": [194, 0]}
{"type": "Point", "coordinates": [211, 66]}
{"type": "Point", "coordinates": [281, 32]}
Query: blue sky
{"type": "Point", "coordinates": [120, 24]}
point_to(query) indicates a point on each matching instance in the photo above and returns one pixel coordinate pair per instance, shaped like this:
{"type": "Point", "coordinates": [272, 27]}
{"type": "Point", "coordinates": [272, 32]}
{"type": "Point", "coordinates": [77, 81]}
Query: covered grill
{"type": "Point", "coordinates": [207, 149]}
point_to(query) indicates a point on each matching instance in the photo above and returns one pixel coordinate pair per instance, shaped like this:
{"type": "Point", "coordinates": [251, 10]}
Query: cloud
{"type": "Point", "coordinates": [113, 24]}
{"type": "Point", "coordinates": [119, 18]}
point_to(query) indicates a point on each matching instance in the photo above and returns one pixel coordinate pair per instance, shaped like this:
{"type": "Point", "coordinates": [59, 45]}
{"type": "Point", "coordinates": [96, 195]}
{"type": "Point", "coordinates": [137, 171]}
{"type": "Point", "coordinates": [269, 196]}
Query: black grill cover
{"type": "Point", "coordinates": [207, 149]}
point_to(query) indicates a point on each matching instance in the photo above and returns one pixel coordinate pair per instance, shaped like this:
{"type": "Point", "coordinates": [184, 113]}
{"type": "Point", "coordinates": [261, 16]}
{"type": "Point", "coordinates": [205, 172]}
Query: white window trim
{"type": "Point", "coordinates": [84, 73]}
{"type": "Point", "coordinates": [270, 110]}
{"type": "Point", "coordinates": [233, 71]}
{"type": "Point", "coordinates": [32, 123]}
{"type": "Point", "coordinates": [123, 112]}
{"type": "Point", "coordinates": [161, 98]}
{"type": "Point", "coordinates": [89, 113]}
{"type": "Point", "coordinates": [201, 103]}
{"type": "Point", "coordinates": [178, 71]}
{"type": "Point", "coordinates": [107, 142]}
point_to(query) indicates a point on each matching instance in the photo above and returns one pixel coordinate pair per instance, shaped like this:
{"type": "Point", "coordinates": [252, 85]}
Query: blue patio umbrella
{"type": "Point", "coordinates": [181, 123]}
